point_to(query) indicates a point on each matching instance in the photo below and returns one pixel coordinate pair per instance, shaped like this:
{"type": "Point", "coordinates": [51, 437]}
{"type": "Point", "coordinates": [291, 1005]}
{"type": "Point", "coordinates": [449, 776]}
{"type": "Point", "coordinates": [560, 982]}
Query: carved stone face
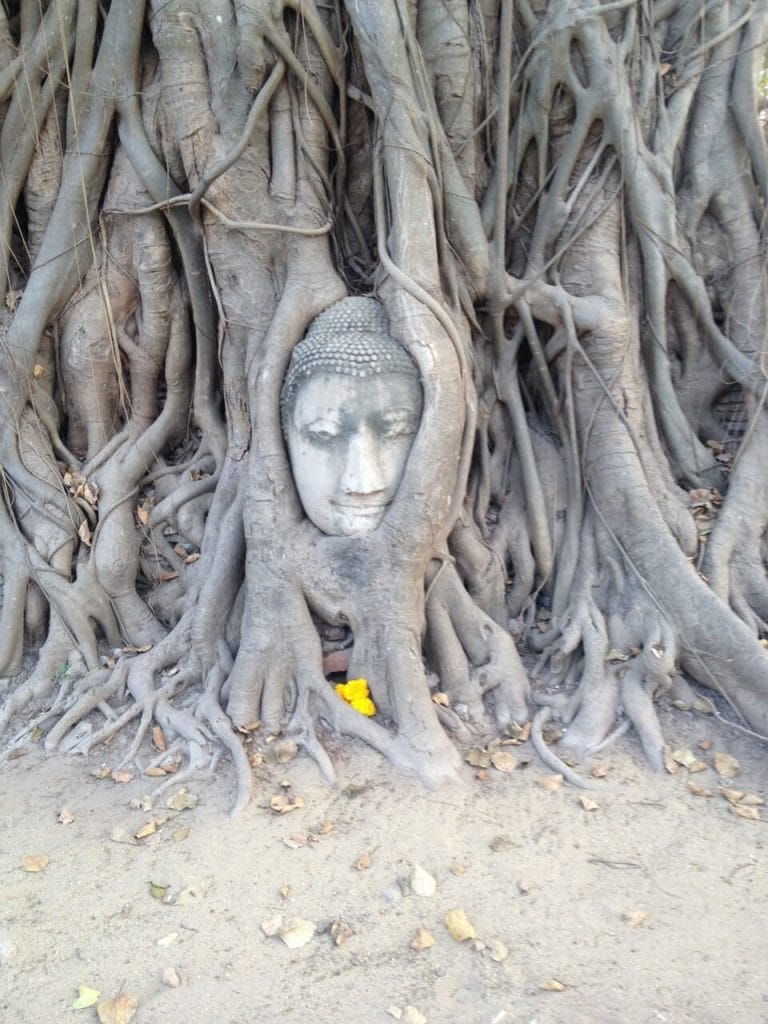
{"type": "Point", "coordinates": [348, 442]}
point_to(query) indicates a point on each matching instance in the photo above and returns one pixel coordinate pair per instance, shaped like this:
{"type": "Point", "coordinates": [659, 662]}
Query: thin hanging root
{"type": "Point", "coordinates": [620, 729]}
{"type": "Point", "coordinates": [550, 759]}
{"type": "Point", "coordinates": [306, 737]}
{"type": "Point", "coordinates": [147, 715]}
{"type": "Point", "coordinates": [639, 709]}
{"type": "Point", "coordinates": [90, 700]}
{"type": "Point", "coordinates": [210, 710]}
{"type": "Point", "coordinates": [144, 707]}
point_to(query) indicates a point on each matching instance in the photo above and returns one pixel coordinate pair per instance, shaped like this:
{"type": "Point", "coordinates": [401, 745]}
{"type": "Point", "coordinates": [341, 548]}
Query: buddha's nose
{"type": "Point", "coordinates": [363, 471]}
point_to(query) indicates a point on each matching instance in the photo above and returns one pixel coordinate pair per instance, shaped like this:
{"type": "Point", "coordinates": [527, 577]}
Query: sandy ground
{"type": "Point", "coordinates": [650, 907]}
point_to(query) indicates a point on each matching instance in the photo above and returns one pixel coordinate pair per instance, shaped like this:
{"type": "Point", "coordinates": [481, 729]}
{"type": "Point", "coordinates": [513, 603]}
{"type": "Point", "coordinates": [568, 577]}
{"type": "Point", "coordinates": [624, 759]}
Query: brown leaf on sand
{"type": "Point", "coordinates": [34, 862]}
{"type": "Point", "coordinates": [119, 1010]}
{"type": "Point", "coordinates": [553, 985]}
{"type": "Point", "coordinates": [750, 813]}
{"type": "Point", "coordinates": [422, 940]}
{"type": "Point", "coordinates": [726, 765]}
{"type": "Point", "coordinates": [636, 917]}
{"type": "Point", "coordinates": [503, 761]}
{"type": "Point", "coordinates": [282, 804]}
{"type": "Point", "coordinates": [733, 796]}
{"type": "Point", "coordinates": [550, 783]}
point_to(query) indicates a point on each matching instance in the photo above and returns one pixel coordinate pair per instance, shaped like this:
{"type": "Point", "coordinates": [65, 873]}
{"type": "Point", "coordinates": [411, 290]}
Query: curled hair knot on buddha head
{"type": "Point", "coordinates": [350, 338]}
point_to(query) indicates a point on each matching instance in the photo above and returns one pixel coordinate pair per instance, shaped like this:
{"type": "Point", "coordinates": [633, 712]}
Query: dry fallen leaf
{"type": "Point", "coordinates": [705, 744]}
{"type": "Point", "coordinates": [441, 699]}
{"type": "Point", "coordinates": [122, 776]}
{"type": "Point", "coordinates": [750, 813]}
{"type": "Point", "coordinates": [422, 883]}
{"type": "Point", "coordinates": [553, 985]}
{"type": "Point", "coordinates": [121, 835]}
{"type": "Point", "coordinates": [297, 933]}
{"type": "Point", "coordinates": [297, 841]}
{"type": "Point", "coordinates": [459, 926]}
{"type": "Point", "coordinates": [518, 733]}
{"type": "Point", "coordinates": [147, 830]}
{"type": "Point", "coordinates": [588, 804]}
{"type": "Point", "coordinates": [699, 790]}
{"type": "Point", "coordinates": [181, 800]}
{"type": "Point", "coordinates": [281, 804]}
{"type": "Point", "coordinates": [599, 770]}
{"type": "Point", "coordinates": [363, 862]}
{"type": "Point", "coordinates": [684, 757]}
{"type": "Point", "coordinates": [340, 932]}
{"type": "Point", "coordinates": [751, 800]}
{"type": "Point", "coordinates": [550, 783]}
{"type": "Point", "coordinates": [503, 761]}
{"type": "Point", "coordinates": [158, 738]}
{"type": "Point", "coordinates": [478, 757]}
{"type": "Point", "coordinates": [119, 1010]}
{"type": "Point", "coordinates": [66, 817]}
{"type": "Point", "coordinates": [501, 843]}
{"type": "Point", "coordinates": [34, 862]}
{"type": "Point", "coordinates": [733, 796]}
{"type": "Point", "coordinates": [170, 977]}
{"type": "Point", "coordinates": [159, 891]}
{"type": "Point", "coordinates": [86, 996]}
{"type": "Point", "coordinates": [636, 917]}
{"type": "Point", "coordinates": [726, 765]}
{"type": "Point", "coordinates": [422, 940]}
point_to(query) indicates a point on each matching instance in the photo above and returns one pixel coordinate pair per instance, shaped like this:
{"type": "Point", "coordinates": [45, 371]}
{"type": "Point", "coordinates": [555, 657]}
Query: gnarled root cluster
{"type": "Point", "coordinates": [562, 207]}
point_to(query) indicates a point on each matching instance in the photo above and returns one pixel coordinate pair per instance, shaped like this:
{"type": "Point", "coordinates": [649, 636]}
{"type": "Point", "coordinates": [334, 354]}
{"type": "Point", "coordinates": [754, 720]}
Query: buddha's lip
{"type": "Point", "coordinates": [361, 509]}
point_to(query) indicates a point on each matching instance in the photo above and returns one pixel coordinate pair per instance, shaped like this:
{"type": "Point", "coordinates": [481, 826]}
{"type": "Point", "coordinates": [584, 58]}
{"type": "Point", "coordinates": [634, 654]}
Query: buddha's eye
{"type": "Point", "coordinates": [321, 435]}
{"type": "Point", "coordinates": [398, 428]}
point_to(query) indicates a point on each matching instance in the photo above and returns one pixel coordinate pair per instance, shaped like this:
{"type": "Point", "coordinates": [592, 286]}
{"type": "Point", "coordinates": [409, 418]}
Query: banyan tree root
{"type": "Point", "coordinates": [561, 206]}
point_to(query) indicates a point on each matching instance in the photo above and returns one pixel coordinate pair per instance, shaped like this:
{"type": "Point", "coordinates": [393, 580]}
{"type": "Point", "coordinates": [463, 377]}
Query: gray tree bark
{"type": "Point", "coordinates": [562, 206]}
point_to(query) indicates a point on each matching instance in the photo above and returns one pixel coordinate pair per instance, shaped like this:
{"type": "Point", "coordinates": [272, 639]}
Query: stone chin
{"type": "Point", "coordinates": [351, 521]}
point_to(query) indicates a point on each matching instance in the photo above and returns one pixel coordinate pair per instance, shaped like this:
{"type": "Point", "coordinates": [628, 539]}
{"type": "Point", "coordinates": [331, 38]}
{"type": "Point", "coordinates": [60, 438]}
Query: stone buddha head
{"type": "Point", "coordinates": [350, 405]}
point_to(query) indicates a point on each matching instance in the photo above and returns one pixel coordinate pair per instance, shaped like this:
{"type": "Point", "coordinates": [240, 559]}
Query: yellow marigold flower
{"type": "Point", "coordinates": [355, 693]}
{"type": "Point", "coordinates": [353, 689]}
{"type": "Point", "coordinates": [364, 705]}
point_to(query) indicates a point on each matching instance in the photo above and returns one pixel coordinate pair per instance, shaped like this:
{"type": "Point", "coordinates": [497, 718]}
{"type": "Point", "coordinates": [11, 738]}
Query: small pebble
{"type": "Point", "coordinates": [170, 977]}
{"type": "Point", "coordinates": [7, 949]}
{"type": "Point", "coordinates": [412, 1016]}
{"type": "Point", "coordinates": [422, 883]}
{"type": "Point", "coordinates": [498, 950]}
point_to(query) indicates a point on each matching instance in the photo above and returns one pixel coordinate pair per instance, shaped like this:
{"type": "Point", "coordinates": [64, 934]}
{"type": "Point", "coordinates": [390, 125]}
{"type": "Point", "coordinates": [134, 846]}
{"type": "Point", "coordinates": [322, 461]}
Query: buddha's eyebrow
{"type": "Point", "coordinates": [403, 413]}
{"type": "Point", "coordinates": [326, 420]}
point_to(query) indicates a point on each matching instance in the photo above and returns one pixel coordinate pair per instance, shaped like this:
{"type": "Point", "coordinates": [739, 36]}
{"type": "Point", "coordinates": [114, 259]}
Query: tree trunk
{"type": "Point", "coordinates": [561, 206]}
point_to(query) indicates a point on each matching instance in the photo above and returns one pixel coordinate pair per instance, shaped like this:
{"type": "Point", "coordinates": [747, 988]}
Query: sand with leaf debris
{"type": "Point", "coordinates": [641, 900]}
